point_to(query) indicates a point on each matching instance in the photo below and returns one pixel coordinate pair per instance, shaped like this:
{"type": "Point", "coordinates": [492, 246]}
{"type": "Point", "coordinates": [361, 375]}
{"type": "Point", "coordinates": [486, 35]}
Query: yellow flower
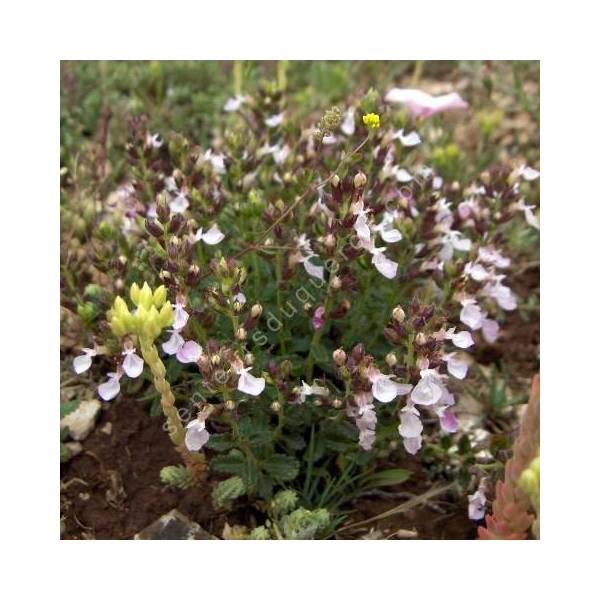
{"type": "Point", "coordinates": [371, 120]}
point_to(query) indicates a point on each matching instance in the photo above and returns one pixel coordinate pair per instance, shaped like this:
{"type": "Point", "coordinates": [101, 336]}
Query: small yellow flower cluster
{"type": "Point", "coordinates": [371, 120]}
{"type": "Point", "coordinates": [152, 315]}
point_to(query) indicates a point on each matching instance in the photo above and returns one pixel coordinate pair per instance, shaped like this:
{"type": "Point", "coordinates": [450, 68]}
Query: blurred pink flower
{"type": "Point", "coordinates": [318, 317]}
{"type": "Point", "coordinates": [424, 105]}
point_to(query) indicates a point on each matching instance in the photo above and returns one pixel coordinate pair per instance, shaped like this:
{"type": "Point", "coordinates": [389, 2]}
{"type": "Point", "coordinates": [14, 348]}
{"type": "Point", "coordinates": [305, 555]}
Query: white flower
{"type": "Point", "coordinates": [328, 140]}
{"type": "Point", "coordinates": [196, 435]}
{"type": "Point", "coordinates": [476, 271]}
{"type": "Point", "coordinates": [410, 139]}
{"type": "Point", "coordinates": [211, 237]}
{"type": "Point", "coordinates": [453, 240]}
{"type": "Point", "coordinates": [109, 389]}
{"type": "Point", "coordinates": [274, 120]}
{"type": "Point", "coordinates": [477, 502]}
{"type": "Point", "coordinates": [429, 389]}
{"type": "Point", "coordinates": [471, 314]}
{"type": "Point", "coordinates": [384, 389]}
{"type": "Point", "coordinates": [181, 316]}
{"type": "Point", "coordinates": [500, 293]}
{"type": "Point", "coordinates": [173, 344]}
{"type": "Point", "coordinates": [310, 390]}
{"type": "Point", "coordinates": [234, 104]}
{"type": "Point", "coordinates": [490, 255]}
{"type": "Point", "coordinates": [490, 330]}
{"type": "Point", "coordinates": [154, 140]}
{"type": "Point", "coordinates": [388, 268]}
{"type": "Point", "coordinates": [456, 366]}
{"type": "Point", "coordinates": [528, 173]}
{"type": "Point", "coordinates": [83, 362]}
{"type": "Point", "coordinates": [348, 125]}
{"type": "Point", "coordinates": [247, 383]}
{"type": "Point", "coordinates": [217, 161]}
{"type": "Point", "coordinates": [179, 203]}
{"type": "Point", "coordinates": [280, 153]}
{"type": "Point", "coordinates": [133, 365]}
{"type": "Point", "coordinates": [386, 229]}
{"type": "Point", "coordinates": [530, 217]}
{"type": "Point", "coordinates": [462, 339]}
{"type": "Point", "coordinates": [403, 176]}
{"type": "Point", "coordinates": [410, 423]}
{"type": "Point", "coordinates": [189, 352]}
{"type": "Point", "coordinates": [312, 269]}
{"type": "Point", "coordinates": [412, 445]}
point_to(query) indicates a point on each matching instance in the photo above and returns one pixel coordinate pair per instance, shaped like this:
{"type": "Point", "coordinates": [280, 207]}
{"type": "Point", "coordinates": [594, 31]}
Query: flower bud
{"type": "Point", "coordinates": [237, 307]}
{"type": "Point", "coordinates": [229, 405]}
{"type": "Point", "coordinates": [240, 334]}
{"type": "Point", "coordinates": [215, 360]}
{"type": "Point", "coordinates": [249, 359]}
{"type": "Point", "coordinates": [421, 339]}
{"type": "Point", "coordinates": [391, 359]}
{"type": "Point", "coordinates": [160, 296]}
{"type": "Point", "coordinates": [335, 181]}
{"type": "Point", "coordinates": [276, 407]}
{"type": "Point", "coordinates": [173, 247]}
{"type": "Point", "coordinates": [336, 283]}
{"type": "Point", "coordinates": [337, 403]}
{"type": "Point", "coordinates": [329, 241]}
{"type": "Point", "coordinates": [360, 180]}
{"type": "Point", "coordinates": [399, 314]}
{"type": "Point", "coordinates": [339, 357]}
{"type": "Point", "coordinates": [192, 275]}
{"type": "Point", "coordinates": [153, 228]}
{"type": "Point", "coordinates": [134, 293]}
{"type": "Point", "coordinates": [162, 210]}
{"type": "Point", "coordinates": [256, 311]}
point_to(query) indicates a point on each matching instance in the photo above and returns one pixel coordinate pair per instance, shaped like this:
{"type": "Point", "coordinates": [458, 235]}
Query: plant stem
{"type": "Point", "coordinates": [278, 276]}
{"type": "Point", "coordinates": [167, 399]}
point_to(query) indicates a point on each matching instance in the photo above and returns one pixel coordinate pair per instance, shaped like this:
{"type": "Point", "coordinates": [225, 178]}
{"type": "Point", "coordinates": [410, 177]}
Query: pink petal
{"type": "Point", "coordinates": [173, 343]}
{"type": "Point", "coordinates": [251, 385]}
{"type": "Point", "coordinates": [109, 389]}
{"type": "Point", "coordinates": [388, 268]}
{"type": "Point", "coordinates": [133, 365]}
{"type": "Point", "coordinates": [196, 438]}
{"type": "Point", "coordinates": [213, 236]}
{"type": "Point", "coordinates": [490, 330]}
{"type": "Point", "coordinates": [190, 352]}
{"type": "Point", "coordinates": [181, 317]}
{"type": "Point", "coordinates": [448, 421]}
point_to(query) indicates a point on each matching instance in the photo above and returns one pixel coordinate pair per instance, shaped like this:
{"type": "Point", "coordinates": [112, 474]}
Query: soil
{"type": "Point", "coordinates": [112, 489]}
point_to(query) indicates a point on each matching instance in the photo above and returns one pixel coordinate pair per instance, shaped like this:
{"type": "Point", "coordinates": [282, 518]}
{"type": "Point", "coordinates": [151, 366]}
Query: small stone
{"type": "Point", "coordinates": [107, 428]}
{"type": "Point", "coordinates": [73, 449]}
{"type": "Point", "coordinates": [81, 421]}
{"type": "Point", "coordinates": [174, 526]}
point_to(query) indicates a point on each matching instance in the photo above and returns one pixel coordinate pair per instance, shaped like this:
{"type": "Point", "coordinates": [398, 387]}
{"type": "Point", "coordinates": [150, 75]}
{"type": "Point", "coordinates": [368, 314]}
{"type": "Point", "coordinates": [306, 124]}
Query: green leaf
{"type": "Point", "coordinates": [385, 478]}
{"type": "Point", "coordinates": [233, 463]}
{"type": "Point", "coordinates": [220, 442]}
{"type": "Point", "coordinates": [230, 489]}
{"type": "Point", "coordinates": [67, 408]}
{"type": "Point", "coordinates": [282, 467]}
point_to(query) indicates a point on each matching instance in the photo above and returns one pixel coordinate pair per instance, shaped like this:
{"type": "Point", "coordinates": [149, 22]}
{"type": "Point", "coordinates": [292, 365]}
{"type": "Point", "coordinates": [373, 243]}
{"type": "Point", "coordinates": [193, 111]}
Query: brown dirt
{"type": "Point", "coordinates": [112, 489]}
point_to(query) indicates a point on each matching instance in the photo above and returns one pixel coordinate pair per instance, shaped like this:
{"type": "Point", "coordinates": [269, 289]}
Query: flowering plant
{"type": "Point", "coordinates": [319, 287]}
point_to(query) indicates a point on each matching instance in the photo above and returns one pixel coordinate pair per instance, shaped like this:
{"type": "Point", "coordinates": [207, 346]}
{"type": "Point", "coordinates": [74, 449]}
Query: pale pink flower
{"type": "Point", "coordinates": [462, 339]}
{"type": "Point", "coordinates": [429, 390]}
{"type": "Point", "coordinates": [456, 366]}
{"type": "Point", "coordinates": [383, 388]}
{"type": "Point", "coordinates": [409, 139]}
{"type": "Point", "coordinates": [196, 435]}
{"type": "Point", "coordinates": [477, 502]}
{"type": "Point", "coordinates": [476, 271]}
{"type": "Point", "coordinates": [247, 383]}
{"type": "Point", "coordinates": [173, 344]}
{"type": "Point", "coordinates": [471, 314]}
{"type": "Point", "coordinates": [451, 241]}
{"type": "Point", "coordinates": [388, 268]}
{"type": "Point", "coordinates": [348, 125]}
{"type": "Point", "coordinates": [490, 255]}
{"type": "Point", "coordinates": [181, 315]}
{"type": "Point", "coordinates": [310, 390]}
{"type": "Point", "coordinates": [83, 362]}
{"type": "Point", "coordinates": [274, 120]}
{"type": "Point", "coordinates": [502, 294]}
{"type": "Point", "coordinates": [424, 105]}
{"type": "Point", "coordinates": [211, 237]}
{"type": "Point", "coordinates": [490, 330]}
{"type": "Point", "coordinates": [189, 352]}
{"type": "Point", "coordinates": [109, 389]}
{"type": "Point", "coordinates": [133, 365]}
{"type": "Point", "coordinates": [234, 104]}
{"type": "Point", "coordinates": [528, 173]}
{"type": "Point", "coordinates": [179, 204]}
